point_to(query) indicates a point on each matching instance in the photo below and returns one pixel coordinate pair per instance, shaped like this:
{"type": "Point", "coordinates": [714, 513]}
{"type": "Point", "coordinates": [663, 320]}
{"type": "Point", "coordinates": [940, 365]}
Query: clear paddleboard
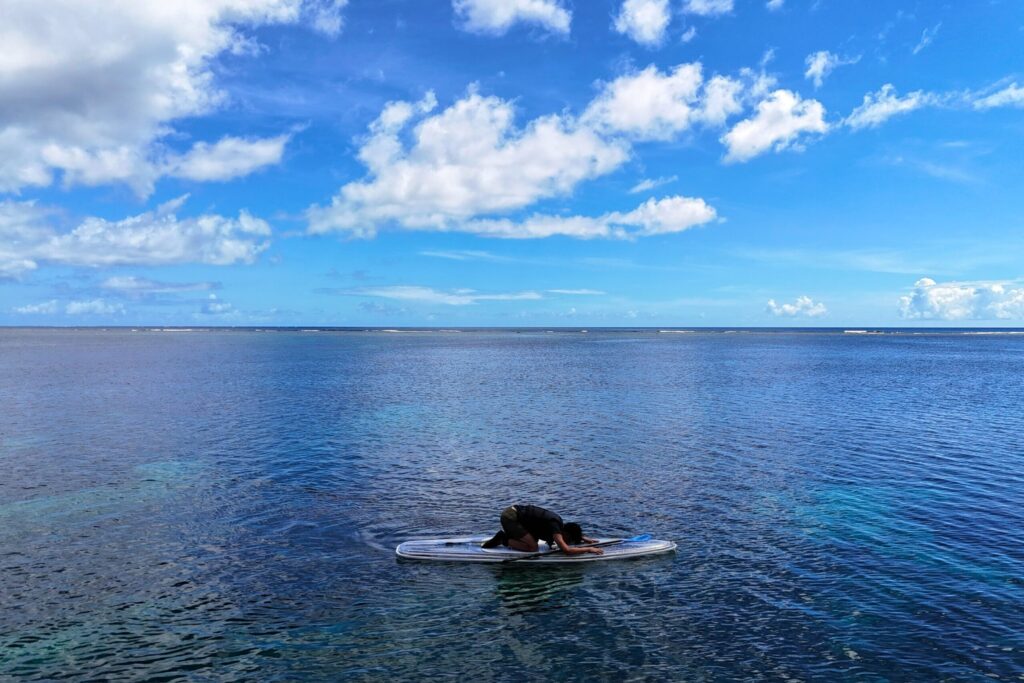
{"type": "Point", "coordinates": [467, 549]}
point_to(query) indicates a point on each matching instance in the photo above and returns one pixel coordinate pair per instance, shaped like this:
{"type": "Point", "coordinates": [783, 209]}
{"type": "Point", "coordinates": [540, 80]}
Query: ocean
{"type": "Point", "coordinates": [225, 504]}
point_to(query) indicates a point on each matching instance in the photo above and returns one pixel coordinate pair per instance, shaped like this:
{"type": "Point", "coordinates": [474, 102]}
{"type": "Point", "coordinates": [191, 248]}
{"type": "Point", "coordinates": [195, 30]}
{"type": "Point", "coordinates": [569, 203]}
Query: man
{"type": "Point", "coordinates": [523, 525]}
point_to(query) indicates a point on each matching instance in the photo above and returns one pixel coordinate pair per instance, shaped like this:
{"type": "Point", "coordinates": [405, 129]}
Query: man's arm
{"type": "Point", "coordinates": [570, 550]}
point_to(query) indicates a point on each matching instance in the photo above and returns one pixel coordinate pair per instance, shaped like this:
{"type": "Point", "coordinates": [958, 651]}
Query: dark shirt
{"type": "Point", "coordinates": [542, 524]}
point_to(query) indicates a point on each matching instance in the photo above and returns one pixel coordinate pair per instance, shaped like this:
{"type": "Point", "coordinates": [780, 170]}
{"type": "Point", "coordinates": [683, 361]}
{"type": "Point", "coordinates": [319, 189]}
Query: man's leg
{"type": "Point", "coordinates": [496, 540]}
{"type": "Point", "coordinates": [508, 521]}
{"type": "Point", "coordinates": [527, 544]}
{"type": "Point", "coordinates": [518, 537]}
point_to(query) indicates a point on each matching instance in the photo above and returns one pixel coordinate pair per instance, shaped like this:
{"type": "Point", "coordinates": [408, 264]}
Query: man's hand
{"type": "Point", "coordinates": [595, 551]}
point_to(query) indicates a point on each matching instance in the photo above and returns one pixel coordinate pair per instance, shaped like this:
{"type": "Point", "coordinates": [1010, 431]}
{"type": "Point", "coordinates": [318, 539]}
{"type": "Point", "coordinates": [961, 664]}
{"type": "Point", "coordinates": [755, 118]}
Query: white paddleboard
{"type": "Point", "coordinates": [468, 549]}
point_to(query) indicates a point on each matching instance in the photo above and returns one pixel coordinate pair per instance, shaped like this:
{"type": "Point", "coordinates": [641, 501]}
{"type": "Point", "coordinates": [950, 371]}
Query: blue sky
{"type": "Point", "coordinates": [512, 162]}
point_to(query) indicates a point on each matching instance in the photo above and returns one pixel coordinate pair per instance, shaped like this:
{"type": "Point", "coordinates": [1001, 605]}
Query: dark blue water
{"type": "Point", "coordinates": [225, 505]}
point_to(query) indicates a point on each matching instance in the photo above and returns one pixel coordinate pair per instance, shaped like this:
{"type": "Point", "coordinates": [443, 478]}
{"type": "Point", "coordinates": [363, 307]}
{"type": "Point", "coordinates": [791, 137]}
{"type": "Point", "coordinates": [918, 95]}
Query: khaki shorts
{"type": "Point", "coordinates": [510, 524]}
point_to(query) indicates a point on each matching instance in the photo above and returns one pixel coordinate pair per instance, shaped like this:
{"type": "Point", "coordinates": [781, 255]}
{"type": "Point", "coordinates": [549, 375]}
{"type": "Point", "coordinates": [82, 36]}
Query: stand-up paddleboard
{"type": "Point", "coordinates": [468, 549]}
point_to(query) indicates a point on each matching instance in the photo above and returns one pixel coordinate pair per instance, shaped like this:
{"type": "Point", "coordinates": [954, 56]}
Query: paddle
{"type": "Point", "coordinates": [602, 544]}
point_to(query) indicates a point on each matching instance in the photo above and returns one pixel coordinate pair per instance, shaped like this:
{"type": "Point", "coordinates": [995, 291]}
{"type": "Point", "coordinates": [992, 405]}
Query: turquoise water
{"type": "Point", "coordinates": [225, 504]}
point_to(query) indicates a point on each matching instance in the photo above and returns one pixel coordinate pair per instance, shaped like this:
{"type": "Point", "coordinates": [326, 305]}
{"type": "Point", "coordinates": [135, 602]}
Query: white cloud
{"type": "Point", "coordinates": [326, 15]}
{"type": "Point", "coordinates": [941, 171]}
{"type": "Point", "coordinates": [467, 167]}
{"type": "Point", "coordinates": [648, 104]}
{"type": "Point", "coordinates": [577, 292]}
{"type": "Point", "coordinates": [133, 286]}
{"type": "Point", "coordinates": [803, 306]}
{"type": "Point", "coordinates": [498, 16]}
{"type": "Point", "coordinates": [1010, 96]}
{"type": "Point", "coordinates": [820, 64]}
{"type": "Point", "coordinates": [12, 267]}
{"type": "Point", "coordinates": [93, 307]}
{"type": "Point", "coordinates": [89, 89]}
{"type": "Point", "coordinates": [879, 107]}
{"type": "Point", "coordinates": [774, 5]}
{"type": "Point", "coordinates": [707, 8]}
{"type": "Point", "coordinates": [152, 238]}
{"type": "Point", "coordinates": [655, 105]}
{"type": "Point", "coordinates": [126, 164]}
{"type": "Point", "coordinates": [542, 225]}
{"type": "Point", "coordinates": [229, 158]}
{"type": "Point", "coordinates": [688, 35]}
{"type": "Point", "coordinates": [653, 217]}
{"type": "Point", "coordinates": [645, 21]}
{"type": "Point", "coordinates": [215, 306]}
{"type": "Point", "coordinates": [780, 122]}
{"type": "Point", "coordinates": [465, 255]}
{"type": "Point", "coordinates": [661, 216]}
{"type": "Point", "coordinates": [927, 36]}
{"type": "Point", "coordinates": [464, 161]}
{"type": "Point", "coordinates": [721, 100]}
{"type": "Point", "coordinates": [931, 300]}
{"type": "Point", "coordinates": [651, 183]}
{"type": "Point", "coordinates": [44, 308]}
{"type": "Point", "coordinates": [457, 297]}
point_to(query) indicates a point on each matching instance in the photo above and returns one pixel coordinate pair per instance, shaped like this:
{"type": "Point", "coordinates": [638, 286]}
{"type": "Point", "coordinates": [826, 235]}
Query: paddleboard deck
{"type": "Point", "coordinates": [467, 549]}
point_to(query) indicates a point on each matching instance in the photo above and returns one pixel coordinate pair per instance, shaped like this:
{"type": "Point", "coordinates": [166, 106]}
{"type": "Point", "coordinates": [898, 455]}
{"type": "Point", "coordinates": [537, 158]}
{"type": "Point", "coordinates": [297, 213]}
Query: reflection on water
{"type": "Point", "coordinates": [225, 505]}
{"type": "Point", "coordinates": [529, 589]}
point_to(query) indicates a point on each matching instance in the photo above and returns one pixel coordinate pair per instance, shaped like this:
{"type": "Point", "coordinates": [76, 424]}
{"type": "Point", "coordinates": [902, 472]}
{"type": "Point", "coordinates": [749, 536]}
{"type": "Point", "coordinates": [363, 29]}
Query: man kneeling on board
{"type": "Point", "coordinates": [523, 525]}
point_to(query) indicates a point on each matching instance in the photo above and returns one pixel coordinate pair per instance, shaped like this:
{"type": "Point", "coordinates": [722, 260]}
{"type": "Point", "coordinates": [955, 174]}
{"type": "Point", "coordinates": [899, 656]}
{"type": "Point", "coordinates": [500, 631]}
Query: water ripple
{"type": "Point", "coordinates": [224, 505]}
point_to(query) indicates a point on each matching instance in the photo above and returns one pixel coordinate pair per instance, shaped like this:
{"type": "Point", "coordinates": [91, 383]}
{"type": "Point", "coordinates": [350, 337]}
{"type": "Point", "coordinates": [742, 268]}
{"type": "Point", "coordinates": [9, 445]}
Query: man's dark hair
{"type": "Point", "coordinates": [573, 533]}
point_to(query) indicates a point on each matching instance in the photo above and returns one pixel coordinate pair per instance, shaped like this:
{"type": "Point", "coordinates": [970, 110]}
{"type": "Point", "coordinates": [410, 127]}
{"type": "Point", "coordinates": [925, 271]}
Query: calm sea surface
{"type": "Point", "coordinates": [225, 505]}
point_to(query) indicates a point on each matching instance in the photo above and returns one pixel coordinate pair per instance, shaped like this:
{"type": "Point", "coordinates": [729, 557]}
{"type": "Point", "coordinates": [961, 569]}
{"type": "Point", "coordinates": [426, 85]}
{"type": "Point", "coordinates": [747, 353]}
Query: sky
{"type": "Point", "coordinates": [512, 163]}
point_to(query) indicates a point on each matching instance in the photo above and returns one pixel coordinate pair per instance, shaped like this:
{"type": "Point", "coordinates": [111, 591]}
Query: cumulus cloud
{"type": "Point", "coordinates": [879, 107]}
{"type": "Point", "coordinates": [661, 216]}
{"type": "Point", "coordinates": [326, 15]}
{"type": "Point", "coordinates": [1010, 96]}
{"type": "Point", "coordinates": [774, 5]}
{"type": "Point", "coordinates": [931, 300]}
{"type": "Point", "coordinates": [469, 166]}
{"type": "Point", "coordinates": [158, 237]}
{"type": "Point", "coordinates": [457, 297]}
{"type": "Point", "coordinates": [782, 121]}
{"type": "Point", "coordinates": [803, 306]}
{"type": "Point", "coordinates": [496, 17]}
{"type": "Point", "coordinates": [215, 306]}
{"type": "Point", "coordinates": [722, 99]}
{"type": "Point", "coordinates": [645, 21]}
{"type": "Point", "coordinates": [820, 64]}
{"type": "Point", "coordinates": [93, 307]}
{"type": "Point", "coordinates": [91, 95]}
{"type": "Point", "coordinates": [653, 217]}
{"type": "Point", "coordinates": [707, 8]}
{"type": "Point", "coordinates": [464, 161]}
{"type": "Point", "coordinates": [97, 307]}
{"type": "Point", "coordinates": [655, 105]}
{"type": "Point", "coordinates": [648, 104]}
{"type": "Point", "coordinates": [229, 158]}
{"type": "Point", "coordinates": [43, 308]}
